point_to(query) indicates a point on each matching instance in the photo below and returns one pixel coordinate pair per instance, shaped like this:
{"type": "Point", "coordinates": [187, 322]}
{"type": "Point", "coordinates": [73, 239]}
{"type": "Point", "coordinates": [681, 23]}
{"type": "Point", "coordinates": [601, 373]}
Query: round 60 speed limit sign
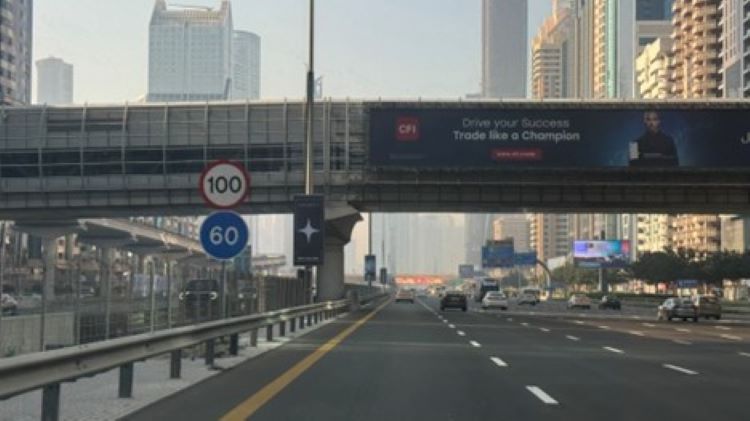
{"type": "Point", "coordinates": [224, 184]}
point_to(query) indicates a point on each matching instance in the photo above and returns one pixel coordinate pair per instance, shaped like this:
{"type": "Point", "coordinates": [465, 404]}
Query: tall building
{"type": "Point", "coordinates": [504, 48]}
{"type": "Point", "coordinates": [54, 82]}
{"type": "Point", "coordinates": [614, 32]}
{"type": "Point", "coordinates": [697, 49]}
{"type": "Point", "coordinates": [745, 48]}
{"type": "Point", "coordinates": [515, 226]}
{"type": "Point", "coordinates": [730, 37]}
{"type": "Point", "coordinates": [552, 56]}
{"type": "Point", "coordinates": [190, 53]}
{"type": "Point", "coordinates": [701, 233]}
{"type": "Point", "coordinates": [652, 70]}
{"type": "Point", "coordinates": [477, 230]}
{"type": "Point", "coordinates": [246, 65]}
{"type": "Point", "coordinates": [16, 34]}
{"type": "Point", "coordinates": [735, 233]}
{"type": "Point", "coordinates": [550, 235]}
{"type": "Point", "coordinates": [654, 233]}
{"type": "Point", "coordinates": [653, 10]}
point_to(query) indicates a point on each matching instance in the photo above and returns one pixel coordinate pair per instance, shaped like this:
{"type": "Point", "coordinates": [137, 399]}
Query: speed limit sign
{"type": "Point", "coordinates": [224, 184]}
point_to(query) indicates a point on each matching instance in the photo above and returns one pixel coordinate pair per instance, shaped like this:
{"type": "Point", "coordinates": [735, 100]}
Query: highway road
{"type": "Point", "coordinates": [413, 362]}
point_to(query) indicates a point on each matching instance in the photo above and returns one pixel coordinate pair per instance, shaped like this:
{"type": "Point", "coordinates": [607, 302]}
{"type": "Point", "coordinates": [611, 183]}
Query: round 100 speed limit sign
{"type": "Point", "coordinates": [224, 235]}
{"type": "Point", "coordinates": [224, 184]}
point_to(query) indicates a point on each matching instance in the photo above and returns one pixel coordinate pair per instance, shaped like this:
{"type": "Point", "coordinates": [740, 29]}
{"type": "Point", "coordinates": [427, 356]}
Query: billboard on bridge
{"type": "Point", "coordinates": [526, 137]}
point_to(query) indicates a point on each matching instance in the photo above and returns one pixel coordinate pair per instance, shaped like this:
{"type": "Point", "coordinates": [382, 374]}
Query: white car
{"type": "Point", "coordinates": [495, 299]}
{"type": "Point", "coordinates": [530, 299]}
{"type": "Point", "coordinates": [8, 305]}
{"type": "Point", "coordinates": [579, 301]}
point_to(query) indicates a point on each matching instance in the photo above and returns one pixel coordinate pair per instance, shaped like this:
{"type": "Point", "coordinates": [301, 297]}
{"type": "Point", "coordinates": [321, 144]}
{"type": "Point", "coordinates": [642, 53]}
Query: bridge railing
{"type": "Point", "coordinates": [48, 370]}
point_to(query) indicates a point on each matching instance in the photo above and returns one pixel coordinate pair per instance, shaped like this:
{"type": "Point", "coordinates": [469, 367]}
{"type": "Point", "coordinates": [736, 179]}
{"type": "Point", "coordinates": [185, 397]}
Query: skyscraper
{"type": "Point", "coordinates": [653, 9]}
{"type": "Point", "coordinates": [54, 79]}
{"type": "Point", "coordinates": [731, 32]}
{"type": "Point", "coordinates": [190, 53]}
{"type": "Point", "coordinates": [515, 226]}
{"type": "Point", "coordinates": [696, 50]}
{"type": "Point", "coordinates": [246, 65]}
{"type": "Point", "coordinates": [552, 56]}
{"type": "Point", "coordinates": [16, 31]}
{"type": "Point", "coordinates": [652, 70]}
{"type": "Point", "coordinates": [504, 48]}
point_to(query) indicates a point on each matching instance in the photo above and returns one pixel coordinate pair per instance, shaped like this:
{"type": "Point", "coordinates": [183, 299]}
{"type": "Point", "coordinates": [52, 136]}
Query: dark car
{"type": "Point", "coordinates": [453, 300]}
{"type": "Point", "coordinates": [609, 301]}
{"type": "Point", "coordinates": [678, 308]}
{"type": "Point", "coordinates": [200, 299]}
{"type": "Point", "coordinates": [708, 306]}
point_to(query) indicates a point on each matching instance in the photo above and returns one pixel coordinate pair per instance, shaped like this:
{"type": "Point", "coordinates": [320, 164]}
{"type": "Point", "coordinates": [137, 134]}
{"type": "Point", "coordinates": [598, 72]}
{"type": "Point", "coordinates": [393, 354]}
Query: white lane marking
{"type": "Point", "coordinates": [499, 362]}
{"type": "Point", "coordinates": [636, 333]}
{"type": "Point", "coordinates": [636, 317]}
{"type": "Point", "coordinates": [579, 322]}
{"type": "Point", "coordinates": [731, 337]}
{"type": "Point", "coordinates": [573, 338]}
{"type": "Point", "coordinates": [723, 328]}
{"type": "Point", "coordinates": [544, 329]}
{"type": "Point", "coordinates": [615, 350]}
{"type": "Point", "coordinates": [582, 314]}
{"type": "Point", "coordinates": [475, 344]}
{"type": "Point", "coordinates": [461, 333]}
{"type": "Point", "coordinates": [541, 395]}
{"type": "Point", "coordinates": [452, 326]}
{"type": "Point", "coordinates": [681, 342]}
{"type": "Point", "coordinates": [680, 369]}
{"type": "Point", "coordinates": [683, 330]}
{"type": "Point", "coordinates": [525, 324]}
{"type": "Point", "coordinates": [649, 325]}
{"type": "Point", "coordinates": [510, 319]}
{"type": "Point", "coordinates": [603, 327]}
{"type": "Point", "coordinates": [445, 321]}
{"type": "Point", "coordinates": [745, 354]}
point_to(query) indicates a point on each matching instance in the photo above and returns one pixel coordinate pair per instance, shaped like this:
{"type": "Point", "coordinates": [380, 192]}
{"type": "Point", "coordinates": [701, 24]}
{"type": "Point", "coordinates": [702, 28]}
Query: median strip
{"type": "Point", "coordinates": [680, 369]}
{"type": "Point", "coordinates": [542, 395]}
{"type": "Point", "coordinates": [499, 362]}
{"type": "Point", "coordinates": [615, 350]}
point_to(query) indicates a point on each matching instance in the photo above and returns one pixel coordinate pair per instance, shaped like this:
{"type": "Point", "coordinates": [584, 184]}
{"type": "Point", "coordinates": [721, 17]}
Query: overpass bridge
{"type": "Point", "coordinates": [110, 161]}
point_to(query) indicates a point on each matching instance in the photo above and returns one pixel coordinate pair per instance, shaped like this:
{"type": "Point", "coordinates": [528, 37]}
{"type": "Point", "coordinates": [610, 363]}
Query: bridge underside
{"type": "Point", "coordinates": [412, 191]}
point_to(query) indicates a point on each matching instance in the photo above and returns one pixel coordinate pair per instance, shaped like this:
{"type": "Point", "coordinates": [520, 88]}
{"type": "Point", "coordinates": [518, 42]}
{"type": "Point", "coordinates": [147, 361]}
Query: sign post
{"type": "Point", "coordinates": [224, 234]}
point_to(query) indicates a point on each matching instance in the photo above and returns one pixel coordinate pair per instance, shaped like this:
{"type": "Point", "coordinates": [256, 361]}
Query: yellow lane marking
{"type": "Point", "coordinates": [247, 408]}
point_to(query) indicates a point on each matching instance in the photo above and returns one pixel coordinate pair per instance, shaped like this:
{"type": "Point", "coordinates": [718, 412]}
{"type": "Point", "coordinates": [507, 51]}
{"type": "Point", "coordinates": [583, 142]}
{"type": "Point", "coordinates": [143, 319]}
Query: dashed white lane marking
{"type": "Point", "coordinates": [636, 333]}
{"type": "Point", "coordinates": [445, 321]}
{"type": "Point", "coordinates": [723, 328]}
{"type": "Point", "coordinates": [731, 337]}
{"type": "Point", "coordinates": [452, 326]}
{"type": "Point", "coordinates": [510, 319]}
{"type": "Point", "coordinates": [542, 395]}
{"type": "Point", "coordinates": [573, 338]}
{"type": "Point", "coordinates": [499, 362]}
{"type": "Point", "coordinates": [649, 325]}
{"type": "Point", "coordinates": [579, 322]}
{"type": "Point", "coordinates": [544, 329]}
{"type": "Point", "coordinates": [475, 344]}
{"type": "Point", "coordinates": [636, 317]}
{"type": "Point", "coordinates": [683, 330]}
{"type": "Point", "coordinates": [681, 342]}
{"type": "Point", "coordinates": [525, 324]}
{"type": "Point", "coordinates": [744, 354]}
{"type": "Point", "coordinates": [615, 350]}
{"type": "Point", "coordinates": [461, 333]}
{"type": "Point", "coordinates": [603, 327]}
{"type": "Point", "coordinates": [680, 369]}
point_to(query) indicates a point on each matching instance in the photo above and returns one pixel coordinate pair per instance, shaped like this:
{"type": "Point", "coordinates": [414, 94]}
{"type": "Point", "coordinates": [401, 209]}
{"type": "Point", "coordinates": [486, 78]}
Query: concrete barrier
{"type": "Point", "coordinates": [20, 334]}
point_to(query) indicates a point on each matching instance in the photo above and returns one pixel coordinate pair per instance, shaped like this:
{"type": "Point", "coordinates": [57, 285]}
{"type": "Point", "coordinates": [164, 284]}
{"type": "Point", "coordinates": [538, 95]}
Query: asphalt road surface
{"type": "Point", "coordinates": [413, 362]}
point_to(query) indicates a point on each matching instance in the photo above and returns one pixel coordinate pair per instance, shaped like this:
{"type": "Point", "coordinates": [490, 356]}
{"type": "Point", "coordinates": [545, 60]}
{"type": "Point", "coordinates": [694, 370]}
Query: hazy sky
{"type": "Point", "coordinates": [365, 48]}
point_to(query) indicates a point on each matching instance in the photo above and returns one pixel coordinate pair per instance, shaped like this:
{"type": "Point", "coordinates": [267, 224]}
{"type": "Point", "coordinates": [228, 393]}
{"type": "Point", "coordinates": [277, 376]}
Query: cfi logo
{"type": "Point", "coordinates": [407, 129]}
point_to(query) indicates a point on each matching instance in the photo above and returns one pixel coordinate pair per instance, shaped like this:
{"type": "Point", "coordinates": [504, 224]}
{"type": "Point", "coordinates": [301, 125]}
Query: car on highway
{"type": "Point", "coordinates": [8, 305]}
{"type": "Point", "coordinates": [405, 295]}
{"type": "Point", "coordinates": [495, 299]}
{"type": "Point", "coordinates": [677, 308]}
{"type": "Point", "coordinates": [708, 306]}
{"type": "Point", "coordinates": [529, 299]}
{"type": "Point", "coordinates": [454, 300]}
{"type": "Point", "coordinates": [579, 301]}
{"type": "Point", "coordinates": [200, 299]}
{"type": "Point", "coordinates": [610, 302]}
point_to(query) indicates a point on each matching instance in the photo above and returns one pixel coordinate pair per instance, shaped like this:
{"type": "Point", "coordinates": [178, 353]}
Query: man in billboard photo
{"type": "Point", "coordinates": [654, 148]}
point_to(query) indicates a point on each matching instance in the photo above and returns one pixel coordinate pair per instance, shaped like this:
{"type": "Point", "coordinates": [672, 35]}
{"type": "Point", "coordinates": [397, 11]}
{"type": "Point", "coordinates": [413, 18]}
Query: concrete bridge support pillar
{"type": "Point", "coordinates": [340, 222]}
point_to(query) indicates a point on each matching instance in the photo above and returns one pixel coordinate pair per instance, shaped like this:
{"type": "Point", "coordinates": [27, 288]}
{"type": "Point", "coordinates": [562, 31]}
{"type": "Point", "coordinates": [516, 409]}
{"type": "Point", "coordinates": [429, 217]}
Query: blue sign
{"type": "Point", "coordinates": [525, 259]}
{"type": "Point", "coordinates": [497, 255]}
{"type": "Point", "coordinates": [687, 283]}
{"type": "Point", "coordinates": [224, 235]}
{"type": "Point", "coordinates": [521, 136]}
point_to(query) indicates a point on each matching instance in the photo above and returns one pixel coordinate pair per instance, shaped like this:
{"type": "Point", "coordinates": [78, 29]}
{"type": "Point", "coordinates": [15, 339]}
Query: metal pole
{"type": "Point", "coordinates": [2, 280]}
{"type": "Point", "coordinates": [108, 298]}
{"type": "Point", "coordinates": [309, 182]}
{"type": "Point", "coordinates": [169, 294]}
{"type": "Point", "coordinates": [152, 318]}
{"type": "Point", "coordinates": [369, 248]}
{"type": "Point", "coordinates": [77, 311]}
{"type": "Point", "coordinates": [223, 289]}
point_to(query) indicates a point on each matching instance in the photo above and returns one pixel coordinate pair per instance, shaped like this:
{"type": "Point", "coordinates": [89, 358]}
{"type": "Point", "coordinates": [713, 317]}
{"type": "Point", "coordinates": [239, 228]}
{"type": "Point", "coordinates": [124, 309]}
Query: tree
{"type": "Point", "coordinates": [572, 275]}
{"type": "Point", "coordinates": [661, 266]}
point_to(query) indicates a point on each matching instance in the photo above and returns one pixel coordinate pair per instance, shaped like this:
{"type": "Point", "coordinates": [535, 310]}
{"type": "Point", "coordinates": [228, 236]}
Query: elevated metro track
{"type": "Point", "coordinates": [111, 161]}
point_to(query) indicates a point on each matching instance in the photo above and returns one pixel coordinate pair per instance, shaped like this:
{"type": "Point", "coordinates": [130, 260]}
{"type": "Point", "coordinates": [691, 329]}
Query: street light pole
{"type": "Point", "coordinates": [309, 183]}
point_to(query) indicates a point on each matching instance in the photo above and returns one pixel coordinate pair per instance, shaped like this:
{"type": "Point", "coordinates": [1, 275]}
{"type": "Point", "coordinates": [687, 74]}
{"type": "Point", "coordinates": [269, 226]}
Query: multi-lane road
{"type": "Point", "coordinates": [413, 362]}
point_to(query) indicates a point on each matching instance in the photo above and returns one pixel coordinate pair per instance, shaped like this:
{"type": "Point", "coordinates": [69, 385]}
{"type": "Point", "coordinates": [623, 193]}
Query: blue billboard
{"type": "Point", "coordinates": [525, 258]}
{"type": "Point", "coordinates": [594, 254]}
{"type": "Point", "coordinates": [527, 136]}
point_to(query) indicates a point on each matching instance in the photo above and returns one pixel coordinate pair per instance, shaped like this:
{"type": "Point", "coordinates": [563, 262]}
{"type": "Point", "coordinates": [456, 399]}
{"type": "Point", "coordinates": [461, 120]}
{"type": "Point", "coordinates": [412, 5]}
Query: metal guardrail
{"type": "Point", "coordinates": [47, 370]}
